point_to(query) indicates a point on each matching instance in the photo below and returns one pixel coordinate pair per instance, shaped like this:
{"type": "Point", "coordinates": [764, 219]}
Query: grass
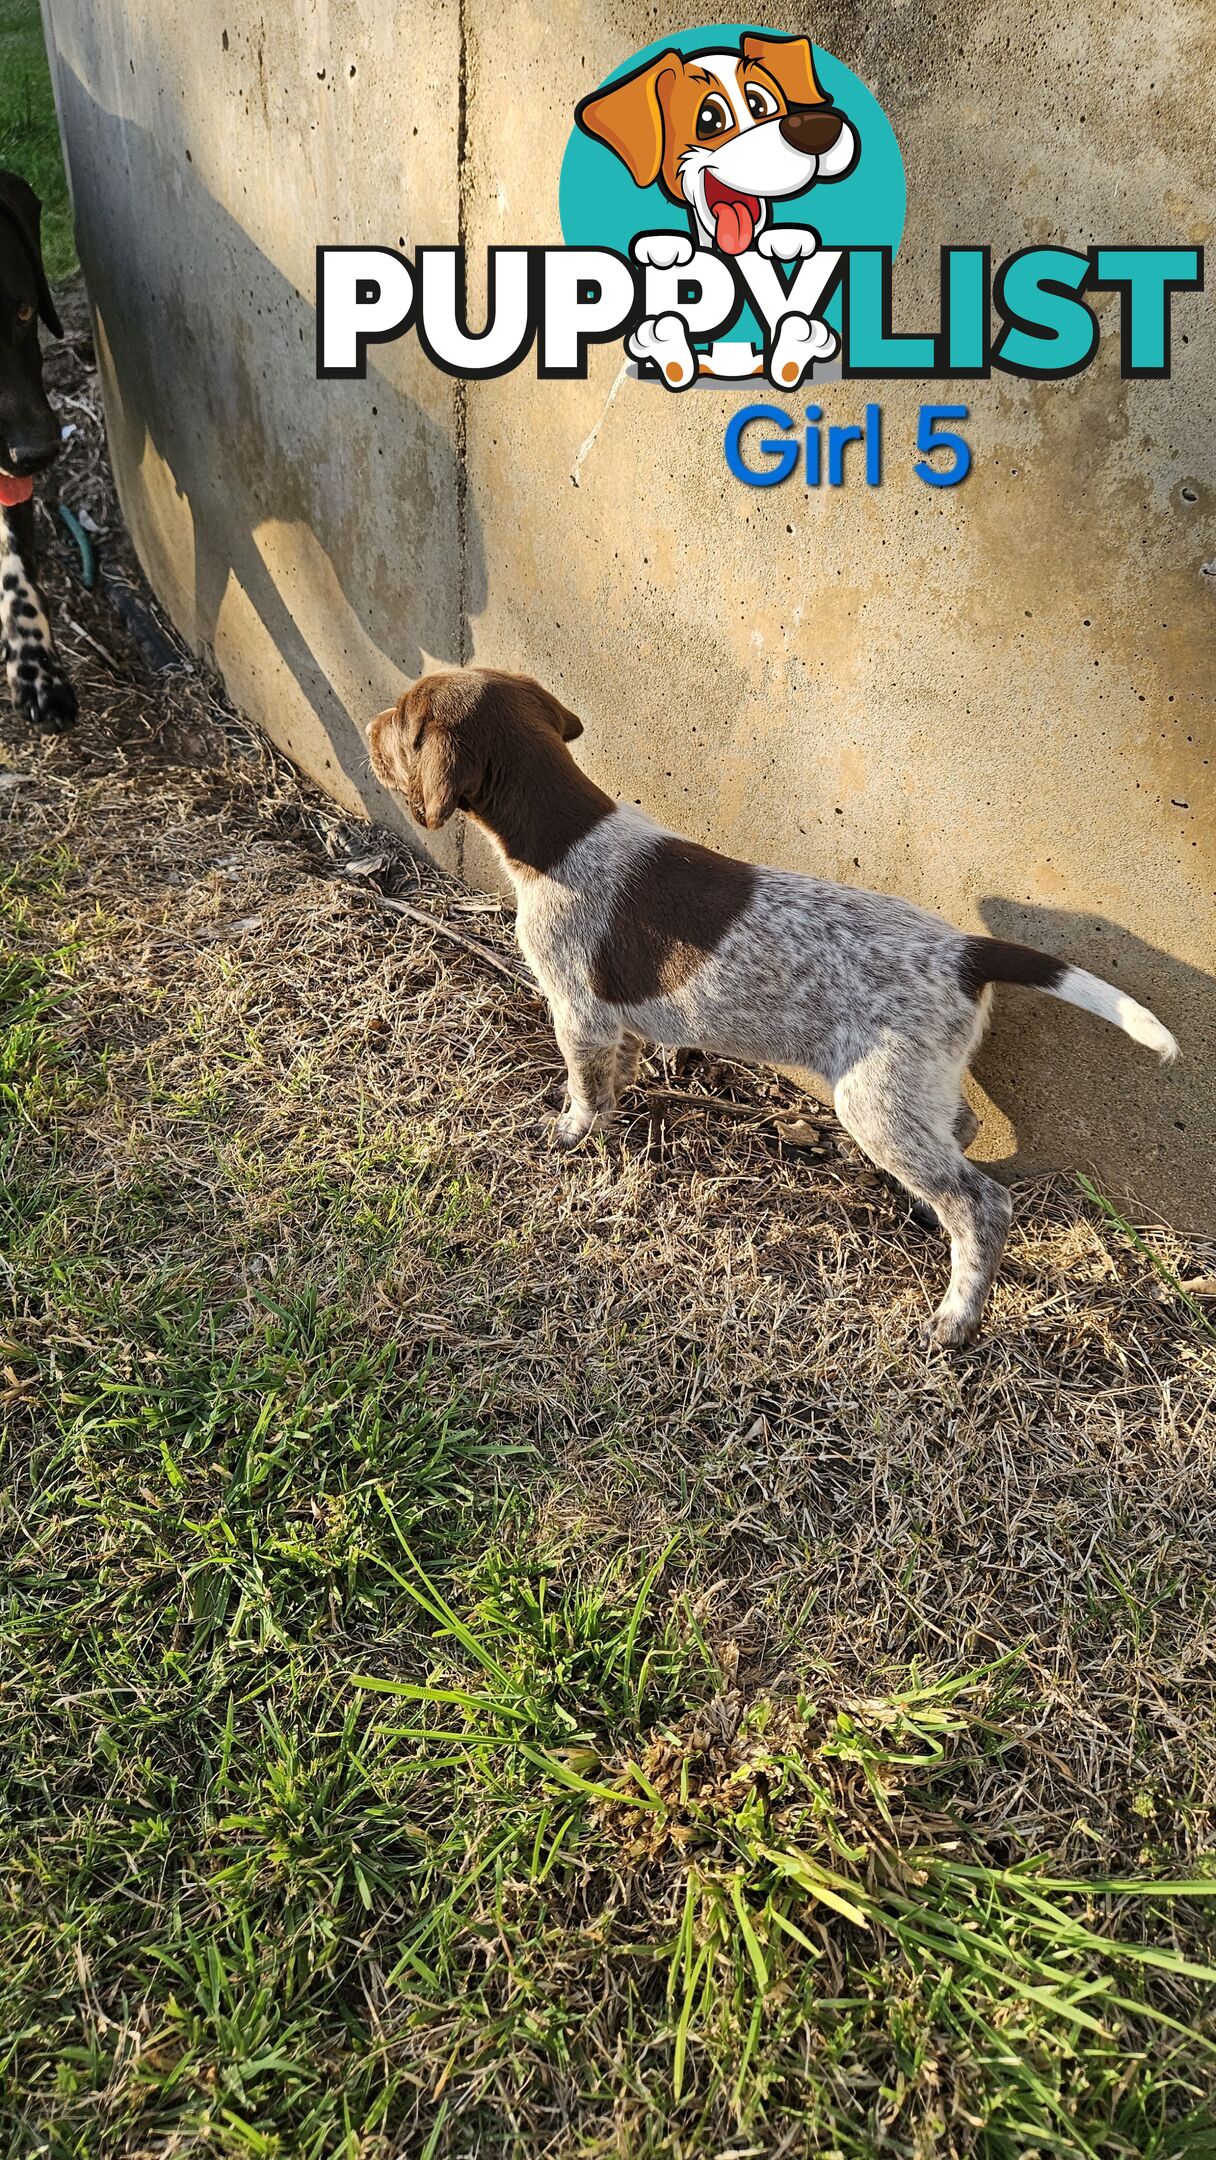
{"type": "Point", "coordinates": [29, 132]}
{"type": "Point", "coordinates": [354, 1804]}
{"type": "Point", "coordinates": [510, 1656]}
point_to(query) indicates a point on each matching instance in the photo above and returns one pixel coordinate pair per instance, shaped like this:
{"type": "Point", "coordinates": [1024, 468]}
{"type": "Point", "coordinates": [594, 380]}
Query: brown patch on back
{"type": "Point", "coordinates": [992, 960]}
{"type": "Point", "coordinates": [668, 920]}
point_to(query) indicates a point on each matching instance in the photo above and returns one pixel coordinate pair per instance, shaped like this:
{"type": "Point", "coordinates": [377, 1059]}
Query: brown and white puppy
{"type": "Point", "coordinates": [638, 936]}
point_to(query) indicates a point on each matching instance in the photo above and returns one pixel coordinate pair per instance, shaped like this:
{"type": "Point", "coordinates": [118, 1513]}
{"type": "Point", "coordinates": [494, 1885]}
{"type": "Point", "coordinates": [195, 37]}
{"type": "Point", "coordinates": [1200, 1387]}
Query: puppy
{"type": "Point", "coordinates": [29, 443]}
{"type": "Point", "coordinates": [725, 133]}
{"type": "Point", "coordinates": [636, 935]}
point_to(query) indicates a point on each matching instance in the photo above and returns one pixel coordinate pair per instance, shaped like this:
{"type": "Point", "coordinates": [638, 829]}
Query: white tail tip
{"type": "Point", "coordinates": [1144, 1027]}
{"type": "Point", "coordinates": [1078, 987]}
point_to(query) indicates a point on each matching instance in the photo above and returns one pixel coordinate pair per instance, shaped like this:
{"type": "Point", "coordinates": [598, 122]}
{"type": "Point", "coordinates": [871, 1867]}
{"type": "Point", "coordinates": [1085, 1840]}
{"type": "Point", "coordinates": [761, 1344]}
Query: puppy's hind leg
{"type": "Point", "coordinates": [966, 1125]}
{"type": "Point", "coordinates": [901, 1110]}
{"type": "Point", "coordinates": [591, 1078]}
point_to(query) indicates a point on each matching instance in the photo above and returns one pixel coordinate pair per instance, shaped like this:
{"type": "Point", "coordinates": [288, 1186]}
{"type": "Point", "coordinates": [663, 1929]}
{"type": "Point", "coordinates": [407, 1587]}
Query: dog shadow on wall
{"type": "Point", "coordinates": [318, 525]}
{"type": "Point", "coordinates": [1077, 1093]}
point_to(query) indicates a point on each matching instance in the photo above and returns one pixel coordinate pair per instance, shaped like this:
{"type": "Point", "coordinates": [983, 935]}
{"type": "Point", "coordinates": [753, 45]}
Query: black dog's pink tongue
{"type": "Point", "coordinates": [735, 225]}
{"type": "Point", "coordinates": [14, 491]}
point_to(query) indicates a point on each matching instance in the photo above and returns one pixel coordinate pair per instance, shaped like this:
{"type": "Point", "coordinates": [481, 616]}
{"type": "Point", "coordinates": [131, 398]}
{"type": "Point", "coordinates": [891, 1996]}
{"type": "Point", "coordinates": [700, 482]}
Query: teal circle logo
{"type": "Point", "coordinates": [623, 162]}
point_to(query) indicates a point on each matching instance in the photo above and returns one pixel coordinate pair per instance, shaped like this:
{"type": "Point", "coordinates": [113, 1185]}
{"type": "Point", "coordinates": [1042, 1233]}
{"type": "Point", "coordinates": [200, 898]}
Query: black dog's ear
{"type": "Point", "coordinates": [19, 202]}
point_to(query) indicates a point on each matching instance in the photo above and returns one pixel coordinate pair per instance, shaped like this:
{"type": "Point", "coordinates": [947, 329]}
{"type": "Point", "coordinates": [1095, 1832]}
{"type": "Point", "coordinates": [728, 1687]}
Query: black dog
{"type": "Point", "coordinates": [29, 442]}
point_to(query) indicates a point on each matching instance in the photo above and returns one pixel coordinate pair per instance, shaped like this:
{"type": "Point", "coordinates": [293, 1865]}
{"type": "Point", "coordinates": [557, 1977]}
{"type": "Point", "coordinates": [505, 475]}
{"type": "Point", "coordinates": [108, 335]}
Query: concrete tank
{"type": "Point", "coordinates": [996, 699]}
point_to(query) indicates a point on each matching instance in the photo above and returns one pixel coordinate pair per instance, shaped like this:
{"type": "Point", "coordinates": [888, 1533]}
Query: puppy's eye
{"type": "Point", "coordinates": [761, 103]}
{"type": "Point", "coordinates": [713, 119]}
{"type": "Point", "coordinates": [25, 312]}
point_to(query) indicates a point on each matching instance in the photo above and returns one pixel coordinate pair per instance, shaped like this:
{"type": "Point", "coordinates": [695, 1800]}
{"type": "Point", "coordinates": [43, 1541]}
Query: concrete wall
{"type": "Point", "coordinates": [996, 699]}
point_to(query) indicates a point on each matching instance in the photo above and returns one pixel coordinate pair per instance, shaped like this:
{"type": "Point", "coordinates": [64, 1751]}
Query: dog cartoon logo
{"type": "Point", "coordinates": [725, 133]}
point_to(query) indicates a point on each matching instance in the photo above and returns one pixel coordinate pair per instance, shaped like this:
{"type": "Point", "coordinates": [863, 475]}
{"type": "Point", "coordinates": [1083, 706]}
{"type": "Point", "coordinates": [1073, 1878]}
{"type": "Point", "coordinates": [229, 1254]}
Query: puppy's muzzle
{"type": "Point", "coordinates": [811, 128]}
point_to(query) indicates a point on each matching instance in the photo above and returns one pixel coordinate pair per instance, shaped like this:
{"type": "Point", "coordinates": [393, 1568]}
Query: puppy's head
{"type": "Point", "coordinates": [29, 431]}
{"type": "Point", "coordinates": [725, 132]}
{"type": "Point", "coordinates": [444, 743]}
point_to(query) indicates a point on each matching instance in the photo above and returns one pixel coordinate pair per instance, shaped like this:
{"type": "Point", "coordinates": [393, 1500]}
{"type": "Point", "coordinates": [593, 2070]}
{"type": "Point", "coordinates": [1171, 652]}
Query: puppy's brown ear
{"type": "Point", "coordinates": [19, 202]}
{"type": "Point", "coordinates": [445, 776]}
{"type": "Point", "coordinates": [790, 63]}
{"type": "Point", "coordinates": [568, 724]}
{"type": "Point", "coordinates": [557, 716]}
{"type": "Point", "coordinates": [629, 118]}
{"type": "Point", "coordinates": [385, 740]}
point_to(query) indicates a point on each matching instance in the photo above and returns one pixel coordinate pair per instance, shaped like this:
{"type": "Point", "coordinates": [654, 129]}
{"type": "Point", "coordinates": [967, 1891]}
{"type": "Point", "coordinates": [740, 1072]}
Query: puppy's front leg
{"type": "Point", "coordinates": [36, 680]}
{"type": "Point", "coordinates": [628, 1061]}
{"type": "Point", "coordinates": [591, 1076]}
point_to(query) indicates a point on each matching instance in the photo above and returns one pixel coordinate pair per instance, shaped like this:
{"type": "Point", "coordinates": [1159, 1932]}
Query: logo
{"type": "Point", "coordinates": [731, 204]}
{"type": "Point", "coordinates": [750, 136]}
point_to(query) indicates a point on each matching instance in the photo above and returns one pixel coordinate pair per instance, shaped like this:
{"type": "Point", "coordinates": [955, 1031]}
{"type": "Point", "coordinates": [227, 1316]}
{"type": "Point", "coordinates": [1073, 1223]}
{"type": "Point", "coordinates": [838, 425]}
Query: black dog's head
{"type": "Point", "coordinates": [29, 431]}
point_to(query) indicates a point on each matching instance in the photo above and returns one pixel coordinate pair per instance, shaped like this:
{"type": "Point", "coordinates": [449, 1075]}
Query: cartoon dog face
{"type": "Point", "coordinates": [725, 133]}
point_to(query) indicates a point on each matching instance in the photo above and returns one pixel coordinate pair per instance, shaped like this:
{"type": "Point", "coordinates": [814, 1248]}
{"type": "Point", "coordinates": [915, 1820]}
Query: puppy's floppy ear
{"type": "Point", "coordinates": [445, 776]}
{"type": "Point", "coordinates": [568, 724]}
{"type": "Point", "coordinates": [20, 204]}
{"type": "Point", "coordinates": [415, 754]}
{"type": "Point", "coordinates": [790, 63]}
{"type": "Point", "coordinates": [629, 118]}
{"type": "Point", "coordinates": [556, 715]}
{"type": "Point", "coordinates": [385, 740]}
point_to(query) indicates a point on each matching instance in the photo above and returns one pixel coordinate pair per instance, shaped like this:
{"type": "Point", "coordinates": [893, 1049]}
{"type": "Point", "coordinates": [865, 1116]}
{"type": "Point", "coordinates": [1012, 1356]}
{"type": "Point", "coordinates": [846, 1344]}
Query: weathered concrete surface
{"type": "Point", "coordinates": [996, 699]}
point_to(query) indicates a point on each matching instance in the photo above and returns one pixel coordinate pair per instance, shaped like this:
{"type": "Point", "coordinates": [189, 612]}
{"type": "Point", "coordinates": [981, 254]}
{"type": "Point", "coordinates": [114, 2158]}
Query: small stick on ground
{"type": "Point", "coordinates": [513, 971]}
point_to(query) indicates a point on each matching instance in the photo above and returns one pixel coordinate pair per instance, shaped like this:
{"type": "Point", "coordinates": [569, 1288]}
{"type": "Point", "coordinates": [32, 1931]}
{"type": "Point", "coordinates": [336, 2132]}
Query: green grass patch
{"type": "Point", "coordinates": [29, 131]}
{"type": "Point", "coordinates": [354, 1801]}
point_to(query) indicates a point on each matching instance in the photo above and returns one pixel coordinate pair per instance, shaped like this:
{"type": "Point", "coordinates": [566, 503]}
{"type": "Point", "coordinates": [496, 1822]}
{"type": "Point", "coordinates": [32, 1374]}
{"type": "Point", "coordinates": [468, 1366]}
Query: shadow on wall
{"type": "Point", "coordinates": [1031, 1073]}
{"type": "Point", "coordinates": [205, 344]}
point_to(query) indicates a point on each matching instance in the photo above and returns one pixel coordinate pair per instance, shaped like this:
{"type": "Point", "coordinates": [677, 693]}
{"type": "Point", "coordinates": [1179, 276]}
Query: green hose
{"type": "Point", "coordinates": [84, 546]}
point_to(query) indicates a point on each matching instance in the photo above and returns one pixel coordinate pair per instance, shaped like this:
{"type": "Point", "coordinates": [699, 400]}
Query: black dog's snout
{"type": "Point", "coordinates": [30, 451]}
{"type": "Point", "coordinates": [813, 128]}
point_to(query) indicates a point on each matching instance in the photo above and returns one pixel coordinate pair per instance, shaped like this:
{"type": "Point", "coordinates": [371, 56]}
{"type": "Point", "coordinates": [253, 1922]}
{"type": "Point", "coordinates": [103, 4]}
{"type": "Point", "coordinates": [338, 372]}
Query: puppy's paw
{"type": "Point", "coordinates": [662, 250]}
{"type": "Point", "coordinates": [663, 340]}
{"type": "Point", "coordinates": [799, 343]}
{"type": "Point", "coordinates": [949, 1330]}
{"type": "Point", "coordinates": [569, 1131]}
{"type": "Point", "coordinates": [787, 243]}
{"type": "Point", "coordinates": [41, 691]}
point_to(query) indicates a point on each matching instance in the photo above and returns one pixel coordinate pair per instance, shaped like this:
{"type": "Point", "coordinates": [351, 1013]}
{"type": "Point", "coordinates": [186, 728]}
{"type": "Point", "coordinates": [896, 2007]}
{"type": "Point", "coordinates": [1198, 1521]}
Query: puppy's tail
{"type": "Point", "coordinates": [992, 960]}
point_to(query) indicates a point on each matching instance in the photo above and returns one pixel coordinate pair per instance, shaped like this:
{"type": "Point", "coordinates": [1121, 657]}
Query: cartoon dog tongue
{"type": "Point", "coordinates": [735, 216]}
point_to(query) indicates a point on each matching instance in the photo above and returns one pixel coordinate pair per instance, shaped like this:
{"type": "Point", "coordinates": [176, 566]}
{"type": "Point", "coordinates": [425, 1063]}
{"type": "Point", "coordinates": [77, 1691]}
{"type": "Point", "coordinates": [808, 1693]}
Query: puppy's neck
{"type": "Point", "coordinates": [535, 803]}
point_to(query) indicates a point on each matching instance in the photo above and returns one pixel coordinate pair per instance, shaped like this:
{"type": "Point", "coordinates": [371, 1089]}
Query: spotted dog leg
{"type": "Point", "coordinates": [37, 683]}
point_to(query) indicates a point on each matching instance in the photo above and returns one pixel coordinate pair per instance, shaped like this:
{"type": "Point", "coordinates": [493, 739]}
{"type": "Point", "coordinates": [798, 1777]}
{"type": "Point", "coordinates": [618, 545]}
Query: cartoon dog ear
{"type": "Point", "coordinates": [790, 63]}
{"type": "Point", "coordinates": [19, 202]}
{"type": "Point", "coordinates": [629, 118]}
